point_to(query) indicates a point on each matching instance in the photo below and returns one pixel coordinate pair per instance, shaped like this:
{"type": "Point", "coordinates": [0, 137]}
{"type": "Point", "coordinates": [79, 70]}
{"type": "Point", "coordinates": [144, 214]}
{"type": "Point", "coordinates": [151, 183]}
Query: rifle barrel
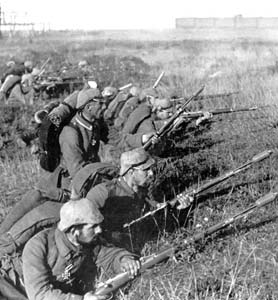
{"type": "Point", "coordinates": [218, 111]}
{"type": "Point", "coordinates": [259, 157]}
{"type": "Point", "coordinates": [43, 67]}
{"type": "Point", "coordinates": [171, 120]}
{"type": "Point", "coordinates": [158, 79]}
{"type": "Point", "coordinates": [204, 97]}
{"type": "Point", "coordinates": [207, 186]}
{"type": "Point", "coordinates": [125, 87]}
{"type": "Point", "coordinates": [119, 280]}
{"type": "Point", "coordinates": [264, 200]}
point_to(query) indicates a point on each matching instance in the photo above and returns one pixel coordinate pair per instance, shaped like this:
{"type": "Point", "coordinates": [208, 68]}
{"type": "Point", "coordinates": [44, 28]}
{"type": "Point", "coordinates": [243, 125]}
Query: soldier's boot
{"type": "Point", "coordinates": [29, 201]}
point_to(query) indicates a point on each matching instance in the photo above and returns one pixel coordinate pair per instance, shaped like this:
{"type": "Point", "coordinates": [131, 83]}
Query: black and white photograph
{"type": "Point", "coordinates": [138, 150]}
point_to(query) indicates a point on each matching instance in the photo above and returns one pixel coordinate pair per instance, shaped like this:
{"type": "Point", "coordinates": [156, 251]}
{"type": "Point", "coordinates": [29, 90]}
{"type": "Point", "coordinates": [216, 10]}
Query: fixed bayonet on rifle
{"type": "Point", "coordinates": [192, 195]}
{"type": "Point", "coordinates": [165, 128]}
{"type": "Point", "coordinates": [218, 111]}
{"type": "Point", "coordinates": [158, 79]}
{"type": "Point", "coordinates": [224, 95]}
{"type": "Point", "coordinates": [202, 115]}
{"type": "Point", "coordinates": [205, 97]}
{"type": "Point", "coordinates": [264, 200]}
{"type": "Point", "coordinates": [43, 67]}
{"type": "Point", "coordinates": [118, 281]}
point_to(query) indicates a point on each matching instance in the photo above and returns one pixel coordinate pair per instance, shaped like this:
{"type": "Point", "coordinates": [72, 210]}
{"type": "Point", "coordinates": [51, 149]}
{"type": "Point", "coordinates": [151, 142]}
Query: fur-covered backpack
{"type": "Point", "coordinates": [55, 118]}
{"type": "Point", "coordinates": [48, 133]}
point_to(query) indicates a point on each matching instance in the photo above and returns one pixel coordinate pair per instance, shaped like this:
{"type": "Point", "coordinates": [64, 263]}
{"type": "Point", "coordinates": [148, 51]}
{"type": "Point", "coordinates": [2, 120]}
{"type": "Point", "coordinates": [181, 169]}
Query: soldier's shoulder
{"type": "Point", "coordinates": [40, 240]}
{"type": "Point", "coordinates": [142, 108]}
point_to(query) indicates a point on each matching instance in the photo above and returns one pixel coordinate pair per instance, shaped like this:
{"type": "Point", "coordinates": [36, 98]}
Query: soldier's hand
{"type": "Point", "coordinates": [34, 149]}
{"type": "Point", "coordinates": [206, 116]}
{"type": "Point", "coordinates": [130, 265]}
{"type": "Point", "coordinates": [92, 296]}
{"type": "Point", "coordinates": [184, 201]}
{"type": "Point", "coordinates": [147, 136]}
{"type": "Point", "coordinates": [178, 122]}
{"type": "Point", "coordinates": [21, 143]}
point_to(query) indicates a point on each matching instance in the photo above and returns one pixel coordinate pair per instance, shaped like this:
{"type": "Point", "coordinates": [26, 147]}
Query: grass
{"type": "Point", "coordinates": [240, 261]}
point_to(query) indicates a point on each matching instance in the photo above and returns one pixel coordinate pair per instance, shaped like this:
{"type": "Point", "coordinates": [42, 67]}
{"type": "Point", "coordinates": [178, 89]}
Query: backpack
{"type": "Point", "coordinates": [115, 106]}
{"type": "Point", "coordinates": [91, 175]}
{"type": "Point", "coordinates": [46, 214]}
{"type": "Point", "coordinates": [48, 133]}
{"type": "Point", "coordinates": [39, 218]}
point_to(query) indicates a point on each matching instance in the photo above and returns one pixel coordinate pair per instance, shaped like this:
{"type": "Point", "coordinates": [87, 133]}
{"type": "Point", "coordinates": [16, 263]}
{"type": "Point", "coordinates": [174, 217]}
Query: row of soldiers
{"type": "Point", "coordinates": [107, 131]}
{"type": "Point", "coordinates": [23, 83]}
{"type": "Point", "coordinates": [101, 177]}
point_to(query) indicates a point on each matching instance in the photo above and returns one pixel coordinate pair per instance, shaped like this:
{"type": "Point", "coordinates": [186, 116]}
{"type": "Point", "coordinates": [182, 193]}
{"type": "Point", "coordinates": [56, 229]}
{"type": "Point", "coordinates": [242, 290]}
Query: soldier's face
{"type": "Point", "coordinates": [164, 113]}
{"type": "Point", "coordinates": [89, 233]}
{"type": "Point", "coordinates": [94, 110]}
{"type": "Point", "coordinates": [142, 177]}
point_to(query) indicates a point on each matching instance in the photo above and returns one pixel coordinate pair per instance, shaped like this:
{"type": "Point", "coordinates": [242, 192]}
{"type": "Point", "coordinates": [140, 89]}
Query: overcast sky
{"type": "Point", "coordinates": [131, 14]}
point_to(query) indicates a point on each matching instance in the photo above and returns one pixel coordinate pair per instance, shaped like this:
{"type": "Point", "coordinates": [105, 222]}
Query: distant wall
{"type": "Point", "coordinates": [236, 22]}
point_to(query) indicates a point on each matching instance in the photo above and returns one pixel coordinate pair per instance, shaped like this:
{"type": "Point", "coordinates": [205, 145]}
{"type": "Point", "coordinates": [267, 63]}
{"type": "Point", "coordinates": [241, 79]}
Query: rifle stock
{"type": "Point", "coordinates": [118, 281]}
{"type": "Point", "coordinates": [207, 186]}
{"type": "Point", "coordinates": [170, 122]}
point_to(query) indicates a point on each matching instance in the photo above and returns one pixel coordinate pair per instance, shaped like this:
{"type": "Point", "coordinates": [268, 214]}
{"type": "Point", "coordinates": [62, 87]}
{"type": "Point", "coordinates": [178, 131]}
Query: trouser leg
{"type": "Point", "coordinates": [29, 201]}
{"type": "Point", "coordinates": [55, 186]}
{"type": "Point", "coordinates": [46, 190]}
{"type": "Point", "coordinates": [9, 292]}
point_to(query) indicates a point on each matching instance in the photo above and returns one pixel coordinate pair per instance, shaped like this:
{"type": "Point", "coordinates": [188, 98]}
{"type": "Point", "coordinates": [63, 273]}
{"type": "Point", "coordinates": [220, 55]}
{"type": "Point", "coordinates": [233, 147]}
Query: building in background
{"type": "Point", "coordinates": [236, 22]}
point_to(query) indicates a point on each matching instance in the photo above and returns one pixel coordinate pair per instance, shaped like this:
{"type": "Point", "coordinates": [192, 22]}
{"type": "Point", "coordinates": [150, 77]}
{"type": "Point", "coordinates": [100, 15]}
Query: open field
{"type": "Point", "coordinates": [239, 262]}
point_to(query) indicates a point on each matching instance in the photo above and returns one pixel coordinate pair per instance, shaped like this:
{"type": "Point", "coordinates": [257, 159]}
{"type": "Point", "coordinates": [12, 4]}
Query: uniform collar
{"type": "Point", "coordinates": [83, 122]}
{"type": "Point", "coordinates": [65, 247]}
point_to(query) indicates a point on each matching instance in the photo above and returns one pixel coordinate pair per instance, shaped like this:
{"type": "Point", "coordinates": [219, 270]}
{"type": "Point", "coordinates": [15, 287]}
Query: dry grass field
{"type": "Point", "coordinates": [239, 262]}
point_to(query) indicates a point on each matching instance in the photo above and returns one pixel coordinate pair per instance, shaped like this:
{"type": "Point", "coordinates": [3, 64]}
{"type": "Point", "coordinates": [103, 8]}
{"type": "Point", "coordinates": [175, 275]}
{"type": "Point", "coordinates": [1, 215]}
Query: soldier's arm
{"type": "Point", "coordinates": [137, 140]}
{"type": "Point", "coordinates": [130, 141]}
{"type": "Point", "coordinates": [99, 194]}
{"type": "Point", "coordinates": [109, 257]}
{"type": "Point", "coordinates": [104, 129]}
{"type": "Point", "coordinates": [71, 149]}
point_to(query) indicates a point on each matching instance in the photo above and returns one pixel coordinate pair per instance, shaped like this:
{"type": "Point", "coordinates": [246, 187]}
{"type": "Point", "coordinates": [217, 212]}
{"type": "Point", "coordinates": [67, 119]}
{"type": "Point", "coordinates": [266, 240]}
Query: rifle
{"type": "Point", "coordinates": [120, 89]}
{"type": "Point", "coordinates": [43, 67]}
{"type": "Point", "coordinates": [218, 111]}
{"type": "Point", "coordinates": [205, 97]}
{"type": "Point", "coordinates": [118, 281]}
{"type": "Point", "coordinates": [264, 200]}
{"type": "Point", "coordinates": [165, 128]}
{"type": "Point", "coordinates": [194, 194]}
{"type": "Point", "coordinates": [158, 80]}
{"type": "Point", "coordinates": [199, 114]}
{"type": "Point", "coordinates": [55, 86]}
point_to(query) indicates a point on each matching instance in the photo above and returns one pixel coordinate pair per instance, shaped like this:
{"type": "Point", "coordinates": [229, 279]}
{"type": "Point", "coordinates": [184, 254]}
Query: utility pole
{"type": "Point", "coordinates": [0, 22]}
